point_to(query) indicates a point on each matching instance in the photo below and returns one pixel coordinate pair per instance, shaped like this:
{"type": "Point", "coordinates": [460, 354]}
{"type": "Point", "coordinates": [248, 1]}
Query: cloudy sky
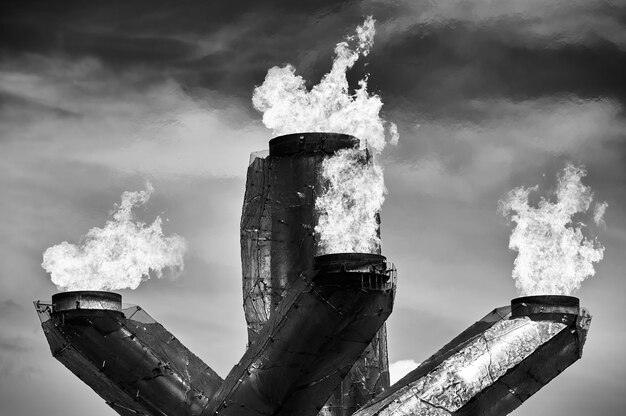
{"type": "Point", "coordinates": [97, 98]}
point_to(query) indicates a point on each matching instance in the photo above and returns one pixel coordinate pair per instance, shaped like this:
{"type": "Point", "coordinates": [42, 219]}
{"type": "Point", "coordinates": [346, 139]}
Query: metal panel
{"type": "Point", "coordinates": [493, 366]}
{"type": "Point", "coordinates": [278, 245]}
{"type": "Point", "coordinates": [255, 247]}
{"type": "Point", "coordinates": [309, 344]}
{"type": "Point", "coordinates": [130, 360]}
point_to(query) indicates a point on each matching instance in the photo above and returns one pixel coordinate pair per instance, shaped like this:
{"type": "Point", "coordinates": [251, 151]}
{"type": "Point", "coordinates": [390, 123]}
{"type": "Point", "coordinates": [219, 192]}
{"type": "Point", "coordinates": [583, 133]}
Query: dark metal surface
{"type": "Point", "coordinates": [256, 243]}
{"type": "Point", "coordinates": [328, 143]}
{"type": "Point", "coordinates": [278, 217]}
{"type": "Point", "coordinates": [494, 387]}
{"type": "Point", "coordinates": [278, 246]}
{"type": "Point", "coordinates": [130, 360]}
{"type": "Point", "coordinates": [544, 304]}
{"type": "Point", "coordinates": [357, 269]}
{"type": "Point", "coordinates": [348, 261]}
{"type": "Point", "coordinates": [305, 349]}
{"type": "Point", "coordinates": [363, 382]}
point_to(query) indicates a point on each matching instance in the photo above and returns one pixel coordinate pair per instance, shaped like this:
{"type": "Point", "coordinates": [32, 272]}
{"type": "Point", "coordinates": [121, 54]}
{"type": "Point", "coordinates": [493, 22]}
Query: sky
{"type": "Point", "coordinates": [96, 98]}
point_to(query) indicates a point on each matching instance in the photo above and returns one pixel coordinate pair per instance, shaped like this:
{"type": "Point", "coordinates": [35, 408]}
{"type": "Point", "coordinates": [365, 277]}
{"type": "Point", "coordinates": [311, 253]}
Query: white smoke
{"type": "Point", "coordinates": [354, 194]}
{"type": "Point", "coordinates": [598, 213]}
{"type": "Point", "coordinates": [356, 188]}
{"type": "Point", "coordinates": [288, 107]}
{"type": "Point", "coordinates": [554, 256]}
{"type": "Point", "coordinates": [118, 256]}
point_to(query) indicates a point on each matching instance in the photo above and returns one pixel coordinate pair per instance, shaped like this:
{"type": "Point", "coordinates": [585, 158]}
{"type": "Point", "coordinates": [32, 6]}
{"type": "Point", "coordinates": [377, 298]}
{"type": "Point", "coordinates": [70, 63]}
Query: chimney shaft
{"type": "Point", "coordinates": [278, 245]}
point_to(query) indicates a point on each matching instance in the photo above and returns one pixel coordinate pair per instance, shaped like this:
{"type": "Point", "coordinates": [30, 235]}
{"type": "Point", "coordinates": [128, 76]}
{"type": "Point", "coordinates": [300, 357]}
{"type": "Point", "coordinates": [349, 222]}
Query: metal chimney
{"type": "Point", "coordinates": [495, 365]}
{"type": "Point", "coordinates": [278, 245]}
{"type": "Point", "coordinates": [312, 339]}
{"type": "Point", "coordinates": [129, 359]}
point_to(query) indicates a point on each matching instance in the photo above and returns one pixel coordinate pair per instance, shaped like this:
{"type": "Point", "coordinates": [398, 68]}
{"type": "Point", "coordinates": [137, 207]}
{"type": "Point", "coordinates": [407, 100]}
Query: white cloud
{"type": "Point", "coordinates": [82, 112]}
{"type": "Point", "coordinates": [465, 161]}
{"type": "Point", "coordinates": [400, 368]}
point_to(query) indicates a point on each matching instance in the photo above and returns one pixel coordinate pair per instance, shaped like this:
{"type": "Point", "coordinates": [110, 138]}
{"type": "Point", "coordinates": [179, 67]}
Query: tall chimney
{"type": "Point", "coordinates": [278, 245]}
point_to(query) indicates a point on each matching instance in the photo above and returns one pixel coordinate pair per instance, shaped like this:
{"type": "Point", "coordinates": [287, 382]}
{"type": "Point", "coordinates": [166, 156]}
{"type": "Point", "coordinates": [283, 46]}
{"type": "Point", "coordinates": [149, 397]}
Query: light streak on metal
{"type": "Point", "coordinates": [493, 366]}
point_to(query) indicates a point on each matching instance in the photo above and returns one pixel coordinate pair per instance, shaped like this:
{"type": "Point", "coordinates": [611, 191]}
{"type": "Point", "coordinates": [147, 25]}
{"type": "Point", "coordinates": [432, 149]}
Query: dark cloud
{"type": "Point", "coordinates": [44, 28]}
{"type": "Point", "coordinates": [443, 55]}
{"type": "Point", "coordinates": [445, 65]}
{"type": "Point", "coordinates": [218, 44]}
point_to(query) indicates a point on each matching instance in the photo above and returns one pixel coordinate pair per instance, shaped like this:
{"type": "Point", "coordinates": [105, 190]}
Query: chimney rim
{"type": "Point", "coordinates": [311, 143]}
{"type": "Point", "coordinates": [544, 305]}
{"type": "Point", "coordinates": [347, 260]}
{"type": "Point", "coordinates": [86, 299]}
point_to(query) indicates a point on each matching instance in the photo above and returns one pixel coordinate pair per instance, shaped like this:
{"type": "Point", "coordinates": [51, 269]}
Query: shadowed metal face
{"type": "Point", "coordinates": [129, 359]}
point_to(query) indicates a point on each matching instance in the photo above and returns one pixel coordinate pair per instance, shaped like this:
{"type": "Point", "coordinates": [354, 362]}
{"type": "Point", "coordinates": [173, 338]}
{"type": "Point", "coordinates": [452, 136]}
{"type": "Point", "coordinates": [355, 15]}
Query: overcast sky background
{"type": "Point", "coordinates": [97, 97]}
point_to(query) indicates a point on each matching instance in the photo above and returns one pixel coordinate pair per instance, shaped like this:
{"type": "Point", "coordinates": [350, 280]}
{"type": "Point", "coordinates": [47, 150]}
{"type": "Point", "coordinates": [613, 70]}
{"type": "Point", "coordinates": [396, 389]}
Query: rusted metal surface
{"type": "Point", "coordinates": [493, 366]}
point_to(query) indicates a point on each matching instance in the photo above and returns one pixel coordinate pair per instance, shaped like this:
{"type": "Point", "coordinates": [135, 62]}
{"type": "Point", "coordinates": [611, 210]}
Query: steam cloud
{"type": "Point", "coordinates": [118, 256]}
{"type": "Point", "coordinates": [355, 192]}
{"type": "Point", "coordinates": [554, 256]}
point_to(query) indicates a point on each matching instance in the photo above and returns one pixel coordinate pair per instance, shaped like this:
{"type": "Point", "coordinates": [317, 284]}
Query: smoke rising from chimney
{"type": "Point", "coordinates": [554, 256]}
{"type": "Point", "coordinates": [118, 256]}
{"type": "Point", "coordinates": [355, 186]}
{"type": "Point", "coordinates": [288, 107]}
{"type": "Point", "coordinates": [354, 194]}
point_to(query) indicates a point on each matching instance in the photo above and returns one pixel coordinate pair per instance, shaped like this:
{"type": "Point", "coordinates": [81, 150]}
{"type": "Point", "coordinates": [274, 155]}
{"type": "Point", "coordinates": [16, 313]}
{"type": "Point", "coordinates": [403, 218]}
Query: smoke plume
{"type": "Point", "coordinates": [288, 107]}
{"type": "Point", "coordinates": [354, 194]}
{"type": "Point", "coordinates": [355, 191]}
{"type": "Point", "coordinates": [118, 256]}
{"type": "Point", "coordinates": [554, 256]}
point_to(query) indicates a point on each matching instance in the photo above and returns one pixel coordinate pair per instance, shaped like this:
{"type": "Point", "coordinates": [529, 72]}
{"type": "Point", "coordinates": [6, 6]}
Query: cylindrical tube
{"type": "Point", "coordinates": [133, 363]}
{"type": "Point", "coordinates": [278, 245]}
{"type": "Point", "coordinates": [87, 299]}
{"type": "Point", "coordinates": [496, 364]}
{"type": "Point", "coordinates": [278, 219]}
